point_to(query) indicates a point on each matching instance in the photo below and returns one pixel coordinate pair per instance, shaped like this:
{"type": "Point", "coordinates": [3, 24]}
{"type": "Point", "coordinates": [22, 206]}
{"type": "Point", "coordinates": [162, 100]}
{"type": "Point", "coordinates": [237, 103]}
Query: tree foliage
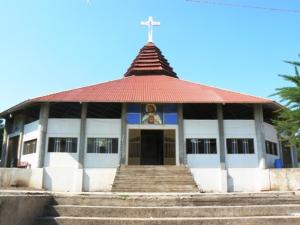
{"type": "Point", "coordinates": [288, 121]}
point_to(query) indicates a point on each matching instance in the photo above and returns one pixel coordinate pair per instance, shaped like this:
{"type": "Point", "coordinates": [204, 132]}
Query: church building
{"type": "Point", "coordinates": [149, 118]}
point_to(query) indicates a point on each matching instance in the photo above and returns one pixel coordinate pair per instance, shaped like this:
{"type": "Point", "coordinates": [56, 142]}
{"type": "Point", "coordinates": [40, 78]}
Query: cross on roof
{"type": "Point", "coordinates": [150, 23]}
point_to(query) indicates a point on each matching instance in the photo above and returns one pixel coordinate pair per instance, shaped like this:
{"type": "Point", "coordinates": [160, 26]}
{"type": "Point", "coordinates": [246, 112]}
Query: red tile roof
{"type": "Point", "coordinates": [154, 88]}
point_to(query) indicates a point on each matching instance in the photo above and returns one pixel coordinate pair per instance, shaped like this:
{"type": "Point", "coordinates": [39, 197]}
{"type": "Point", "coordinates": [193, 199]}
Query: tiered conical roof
{"type": "Point", "coordinates": [150, 61]}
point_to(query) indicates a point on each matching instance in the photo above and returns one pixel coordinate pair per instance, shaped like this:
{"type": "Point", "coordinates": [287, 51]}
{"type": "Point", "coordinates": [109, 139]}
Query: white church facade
{"type": "Point", "coordinates": [76, 140]}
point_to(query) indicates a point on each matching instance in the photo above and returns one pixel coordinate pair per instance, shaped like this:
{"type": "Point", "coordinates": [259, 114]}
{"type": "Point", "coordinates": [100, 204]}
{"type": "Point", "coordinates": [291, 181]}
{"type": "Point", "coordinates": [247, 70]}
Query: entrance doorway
{"type": "Point", "coordinates": [12, 153]}
{"type": "Point", "coordinates": [151, 147]}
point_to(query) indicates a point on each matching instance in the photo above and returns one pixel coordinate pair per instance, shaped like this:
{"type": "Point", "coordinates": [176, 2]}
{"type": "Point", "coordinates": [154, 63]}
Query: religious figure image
{"type": "Point", "coordinates": [151, 116]}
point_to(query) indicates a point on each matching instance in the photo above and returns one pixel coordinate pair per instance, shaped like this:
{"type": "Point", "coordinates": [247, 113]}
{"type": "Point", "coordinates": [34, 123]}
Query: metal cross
{"type": "Point", "coordinates": [150, 23]}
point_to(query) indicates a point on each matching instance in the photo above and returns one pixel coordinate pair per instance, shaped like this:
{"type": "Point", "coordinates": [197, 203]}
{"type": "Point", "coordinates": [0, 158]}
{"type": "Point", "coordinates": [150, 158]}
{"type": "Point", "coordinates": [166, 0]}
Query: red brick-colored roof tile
{"type": "Point", "coordinates": [154, 88]}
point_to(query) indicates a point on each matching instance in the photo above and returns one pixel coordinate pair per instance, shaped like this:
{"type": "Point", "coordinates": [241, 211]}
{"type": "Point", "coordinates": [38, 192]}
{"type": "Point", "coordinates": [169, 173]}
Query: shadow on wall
{"type": "Point", "coordinates": [98, 180]}
{"type": "Point", "coordinates": [230, 183]}
{"type": "Point", "coordinates": [47, 181]}
{"type": "Point", "coordinates": [14, 177]}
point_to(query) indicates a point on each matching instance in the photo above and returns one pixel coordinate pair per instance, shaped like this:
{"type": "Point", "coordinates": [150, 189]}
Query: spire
{"type": "Point", "coordinates": [150, 61]}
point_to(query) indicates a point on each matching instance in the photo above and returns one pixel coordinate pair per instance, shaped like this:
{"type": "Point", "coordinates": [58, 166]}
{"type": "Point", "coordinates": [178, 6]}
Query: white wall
{"type": "Point", "coordinates": [271, 135]}
{"type": "Point", "coordinates": [102, 128]}
{"type": "Point", "coordinates": [98, 179]}
{"type": "Point", "coordinates": [241, 129]}
{"type": "Point", "coordinates": [207, 179]}
{"type": "Point", "coordinates": [65, 179]}
{"type": "Point", "coordinates": [31, 132]}
{"type": "Point", "coordinates": [62, 128]}
{"type": "Point", "coordinates": [31, 178]}
{"type": "Point", "coordinates": [244, 179]}
{"type": "Point", "coordinates": [202, 129]}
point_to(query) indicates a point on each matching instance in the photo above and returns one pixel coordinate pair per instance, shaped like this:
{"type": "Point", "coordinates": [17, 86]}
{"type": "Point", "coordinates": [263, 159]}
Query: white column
{"type": "Point", "coordinates": [82, 139]}
{"type": "Point", "coordinates": [294, 156]}
{"type": "Point", "coordinates": [260, 135]}
{"type": "Point", "coordinates": [41, 141]}
{"type": "Point", "coordinates": [4, 145]}
{"type": "Point", "coordinates": [182, 151]}
{"type": "Point", "coordinates": [21, 134]}
{"type": "Point", "coordinates": [221, 149]}
{"type": "Point", "coordinates": [123, 140]}
{"type": "Point", "coordinates": [221, 136]}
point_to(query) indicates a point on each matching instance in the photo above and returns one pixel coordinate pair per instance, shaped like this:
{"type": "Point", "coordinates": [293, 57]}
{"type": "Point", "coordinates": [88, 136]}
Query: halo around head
{"type": "Point", "coordinates": [152, 105]}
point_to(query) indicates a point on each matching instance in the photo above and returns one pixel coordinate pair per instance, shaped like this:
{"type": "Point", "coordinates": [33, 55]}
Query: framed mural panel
{"type": "Point", "coordinates": [150, 113]}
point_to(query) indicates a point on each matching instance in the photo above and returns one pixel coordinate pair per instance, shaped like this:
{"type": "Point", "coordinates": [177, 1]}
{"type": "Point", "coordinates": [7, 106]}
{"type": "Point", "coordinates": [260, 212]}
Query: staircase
{"type": "Point", "coordinates": [154, 179]}
{"type": "Point", "coordinates": [177, 209]}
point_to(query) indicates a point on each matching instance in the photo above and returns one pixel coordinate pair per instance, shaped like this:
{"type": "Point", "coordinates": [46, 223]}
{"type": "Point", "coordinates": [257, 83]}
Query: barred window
{"type": "Point", "coordinates": [102, 145]}
{"type": "Point", "coordinates": [271, 148]}
{"type": "Point", "coordinates": [61, 144]}
{"type": "Point", "coordinates": [240, 146]}
{"type": "Point", "coordinates": [201, 146]}
{"type": "Point", "coordinates": [29, 147]}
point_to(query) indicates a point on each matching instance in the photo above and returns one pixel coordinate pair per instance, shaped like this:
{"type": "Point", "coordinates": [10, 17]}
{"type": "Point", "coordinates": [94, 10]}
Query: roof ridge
{"type": "Point", "coordinates": [227, 90]}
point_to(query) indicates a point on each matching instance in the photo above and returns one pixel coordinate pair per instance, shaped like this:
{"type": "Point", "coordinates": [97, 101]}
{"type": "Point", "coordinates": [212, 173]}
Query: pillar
{"type": "Point", "coordinates": [222, 151]}
{"type": "Point", "coordinates": [4, 145]}
{"type": "Point", "coordinates": [82, 139]}
{"type": "Point", "coordinates": [21, 134]}
{"type": "Point", "coordinates": [221, 136]}
{"type": "Point", "coordinates": [41, 141]}
{"type": "Point", "coordinates": [294, 156]}
{"type": "Point", "coordinates": [260, 135]}
{"type": "Point", "coordinates": [123, 134]}
{"type": "Point", "coordinates": [182, 151]}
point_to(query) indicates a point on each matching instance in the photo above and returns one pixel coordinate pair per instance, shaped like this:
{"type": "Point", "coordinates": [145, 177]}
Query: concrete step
{"type": "Point", "coordinates": [257, 220]}
{"type": "Point", "coordinates": [178, 209]}
{"type": "Point", "coordinates": [172, 169]}
{"type": "Point", "coordinates": [161, 212]}
{"type": "Point", "coordinates": [151, 190]}
{"type": "Point", "coordinates": [156, 182]}
{"type": "Point", "coordinates": [148, 185]}
{"type": "Point", "coordinates": [177, 172]}
{"type": "Point", "coordinates": [158, 167]}
{"type": "Point", "coordinates": [153, 173]}
{"type": "Point", "coordinates": [153, 182]}
{"type": "Point", "coordinates": [124, 199]}
{"type": "Point", "coordinates": [163, 187]}
{"type": "Point", "coordinates": [154, 179]}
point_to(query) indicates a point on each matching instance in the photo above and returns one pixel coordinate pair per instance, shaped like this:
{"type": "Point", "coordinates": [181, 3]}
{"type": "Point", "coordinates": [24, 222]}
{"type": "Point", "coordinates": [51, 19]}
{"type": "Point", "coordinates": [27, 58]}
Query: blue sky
{"type": "Point", "coordinates": [53, 45]}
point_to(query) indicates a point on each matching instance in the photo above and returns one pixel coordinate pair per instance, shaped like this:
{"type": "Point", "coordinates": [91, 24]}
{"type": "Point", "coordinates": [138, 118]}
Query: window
{"type": "Point", "coordinates": [102, 145]}
{"type": "Point", "coordinates": [29, 147]}
{"type": "Point", "coordinates": [271, 148]}
{"type": "Point", "coordinates": [240, 146]}
{"type": "Point", "coordinates": [62, 145]}
{"type": "Point", "coordinates": [201, 146]}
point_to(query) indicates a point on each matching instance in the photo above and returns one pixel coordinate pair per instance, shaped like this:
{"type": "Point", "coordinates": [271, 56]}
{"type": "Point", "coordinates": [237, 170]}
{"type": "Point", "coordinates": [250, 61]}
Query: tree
{"type": "Point", "coordinates": [288, 121]}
